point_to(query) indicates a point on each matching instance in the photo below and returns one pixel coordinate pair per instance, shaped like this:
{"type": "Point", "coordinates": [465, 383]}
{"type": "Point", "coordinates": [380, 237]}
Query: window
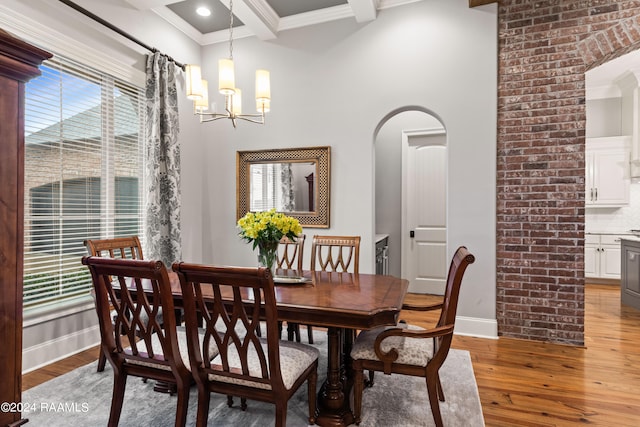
{"type": "Point", "coordinates": [83, 174]}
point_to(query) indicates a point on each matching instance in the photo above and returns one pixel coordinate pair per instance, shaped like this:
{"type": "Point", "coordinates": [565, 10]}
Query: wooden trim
{"type": "Point", "coordinates": [474, 3]}
{"type": "Point", "coordinates": [18, 63]}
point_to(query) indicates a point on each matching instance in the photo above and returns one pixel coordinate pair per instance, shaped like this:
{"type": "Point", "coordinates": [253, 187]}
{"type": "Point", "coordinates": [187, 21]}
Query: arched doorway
{"type": "Point", "coordinates": [396, 132]}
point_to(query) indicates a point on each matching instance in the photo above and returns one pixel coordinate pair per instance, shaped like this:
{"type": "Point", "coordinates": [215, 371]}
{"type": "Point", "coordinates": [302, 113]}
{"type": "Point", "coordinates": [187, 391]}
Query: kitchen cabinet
{"type": "Point", "coordinates": [382, 254]}
{"type": "Point", "coordinates": [607, 171]}
{"type": "Point", "coordinates": [602, 253]}
{"type": "Point", "coordinates": [630, 283]}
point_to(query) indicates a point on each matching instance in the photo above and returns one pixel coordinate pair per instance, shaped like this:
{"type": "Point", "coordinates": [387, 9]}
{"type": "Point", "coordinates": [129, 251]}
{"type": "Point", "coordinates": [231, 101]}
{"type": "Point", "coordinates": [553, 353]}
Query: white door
{"type": "Point", "coordinates": [424, 229]}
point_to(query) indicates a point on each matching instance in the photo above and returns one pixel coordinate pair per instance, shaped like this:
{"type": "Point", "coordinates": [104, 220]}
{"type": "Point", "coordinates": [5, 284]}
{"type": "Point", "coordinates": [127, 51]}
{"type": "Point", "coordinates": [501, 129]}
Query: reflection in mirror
{"type": "Point", "coordinates": [291, 180]}
{"type": "Point", "coordinates": [287, 186]}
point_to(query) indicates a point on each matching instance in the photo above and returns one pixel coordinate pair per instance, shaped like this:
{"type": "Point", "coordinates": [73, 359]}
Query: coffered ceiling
{"type": "Point", "coordinates": [261, 18]}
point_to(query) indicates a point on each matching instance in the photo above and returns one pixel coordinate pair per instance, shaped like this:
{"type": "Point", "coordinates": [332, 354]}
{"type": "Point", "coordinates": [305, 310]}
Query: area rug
{"type": "Point", "coordinates": [82, 398]}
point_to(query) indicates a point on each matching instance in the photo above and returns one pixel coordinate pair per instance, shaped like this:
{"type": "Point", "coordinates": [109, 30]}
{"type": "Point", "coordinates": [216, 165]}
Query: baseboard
{"type": "Point", "coordinates": [476, 327]}
{"type": "Point", "coordinates": [60, 348]}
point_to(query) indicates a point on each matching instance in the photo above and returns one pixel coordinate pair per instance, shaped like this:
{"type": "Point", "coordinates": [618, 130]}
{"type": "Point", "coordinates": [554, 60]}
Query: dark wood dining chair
{"type": "Point", "coordinates": [390, 350]}
{"type": "Point", "coordinates": [134, 342]}
{"type": "Point", "coordinates": [118, 247]}
{"type": "Point", "coordinates": [290, 257]}
{"type": "Point", "coordinates": [334, 253]}
{"type": "Point", "coordinates": [231, 301]}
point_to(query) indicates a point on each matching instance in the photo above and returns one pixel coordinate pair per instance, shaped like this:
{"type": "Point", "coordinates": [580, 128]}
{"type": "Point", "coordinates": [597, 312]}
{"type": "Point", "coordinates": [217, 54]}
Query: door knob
{"type": "Point", "coordinates": [412, 234]}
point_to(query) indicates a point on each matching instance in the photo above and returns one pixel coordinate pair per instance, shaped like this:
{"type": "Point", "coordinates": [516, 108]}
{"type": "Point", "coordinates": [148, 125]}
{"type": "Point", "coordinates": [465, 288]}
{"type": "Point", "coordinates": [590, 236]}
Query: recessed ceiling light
{"type": "Point", "coordinates": [203, 11]}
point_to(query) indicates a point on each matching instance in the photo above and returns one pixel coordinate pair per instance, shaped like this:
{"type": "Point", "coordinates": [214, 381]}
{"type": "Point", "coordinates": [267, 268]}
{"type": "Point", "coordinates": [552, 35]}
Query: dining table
{"type": "Point", "coordinates": [343, 303]}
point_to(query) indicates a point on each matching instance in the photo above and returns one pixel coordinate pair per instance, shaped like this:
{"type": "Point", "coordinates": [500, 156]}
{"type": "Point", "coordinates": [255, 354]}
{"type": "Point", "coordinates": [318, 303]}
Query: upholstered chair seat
{"type": "Point", "coordinates": [411, 351]}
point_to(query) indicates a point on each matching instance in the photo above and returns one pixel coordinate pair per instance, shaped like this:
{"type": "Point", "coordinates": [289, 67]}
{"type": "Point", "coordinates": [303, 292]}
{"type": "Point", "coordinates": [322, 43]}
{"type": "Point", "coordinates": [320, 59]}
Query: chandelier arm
{"type": "Point", "coordinates": [210, 117]}
{"type": "Point", "coordinates": [249, 119]}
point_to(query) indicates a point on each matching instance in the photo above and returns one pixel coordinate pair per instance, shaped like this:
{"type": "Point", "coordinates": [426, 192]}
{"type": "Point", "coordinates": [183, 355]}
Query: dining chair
{"type": "Point", "coordinates": [118, 247]}
{"type": "Point", "coordinates": [290, 253]}
{"type": "Point", "coordinates": [411, 350]}
{"type": "Point", "coordinates": [134, 342]}
{"type": "Point", "coordinates": [290, 257]}
{"type": "Point", "coordinates": [334, 253]}
{"type": "Point", "coordinates": [231, 301]}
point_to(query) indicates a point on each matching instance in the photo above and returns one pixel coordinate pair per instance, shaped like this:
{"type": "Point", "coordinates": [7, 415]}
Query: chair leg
{"type": "Point", "coordinates": [312, 396]}
{"type": "Point", "coordinates": [102, 360]}
{"type": "Point", "coordinates": [440, 392]}
{"type": "Point", "coordinates": [293, 331]}
{"type": "Point", "coordinates": [281, 413]}
{"type": "Point", "coordinates": [310, 334]}
{"type": "Point", "coordinates": [432, 390]}
{"type": "Point", "coordinates": [369, 383]}
{"type": "Point", "coordinates": [183, 405]}
{"type": "Point", "coordinates": [117, 399]}
{"type": "Point", "coordinates": [358, 388]}
{"type": "Point", "coordinates": [203, 406]}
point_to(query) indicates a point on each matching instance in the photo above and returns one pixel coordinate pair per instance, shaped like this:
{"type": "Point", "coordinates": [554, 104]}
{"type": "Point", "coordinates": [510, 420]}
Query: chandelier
{"type": "Point", "coordinates": [197, 89]}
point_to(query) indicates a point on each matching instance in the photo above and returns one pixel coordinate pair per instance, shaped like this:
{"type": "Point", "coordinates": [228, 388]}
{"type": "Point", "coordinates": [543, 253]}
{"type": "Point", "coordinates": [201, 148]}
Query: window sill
{"type": "Point", "coordinates": [45, 313]}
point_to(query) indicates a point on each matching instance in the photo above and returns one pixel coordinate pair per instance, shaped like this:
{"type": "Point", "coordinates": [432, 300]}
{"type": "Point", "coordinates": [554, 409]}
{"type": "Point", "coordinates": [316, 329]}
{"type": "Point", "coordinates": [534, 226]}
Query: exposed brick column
{"type": "Point", "coordinates": [545, 47]}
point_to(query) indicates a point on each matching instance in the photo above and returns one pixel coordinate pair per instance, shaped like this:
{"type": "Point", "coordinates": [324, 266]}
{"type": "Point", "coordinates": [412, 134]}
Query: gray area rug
{"type": "Point", "coordinates": [82, 398]}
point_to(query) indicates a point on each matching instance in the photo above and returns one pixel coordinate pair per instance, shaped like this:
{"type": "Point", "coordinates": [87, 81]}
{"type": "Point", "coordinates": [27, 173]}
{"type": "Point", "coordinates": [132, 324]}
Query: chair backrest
{"type": "Point", "coordinates": [459, 263]}
{"type": "Point", "coordinates": [117, 247]}
{"type": "Point", "coordinates": [290, 253]}
{"type": "Point", "coordinates": [129, 294]}
{"type": "Point", "coordinates": [335, 253]}
{"type": "Point", "coordinates": [231, 301]}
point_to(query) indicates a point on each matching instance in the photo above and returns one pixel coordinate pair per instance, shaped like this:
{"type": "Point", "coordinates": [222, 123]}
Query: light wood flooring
{"type": "Point", "coordinates": [525, 383]}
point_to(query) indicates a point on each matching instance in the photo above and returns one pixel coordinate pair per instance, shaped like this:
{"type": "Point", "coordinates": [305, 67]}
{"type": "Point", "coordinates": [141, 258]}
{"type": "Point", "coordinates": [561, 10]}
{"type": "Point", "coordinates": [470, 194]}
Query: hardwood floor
{"type": "Point", "coordinates": [524, 383]}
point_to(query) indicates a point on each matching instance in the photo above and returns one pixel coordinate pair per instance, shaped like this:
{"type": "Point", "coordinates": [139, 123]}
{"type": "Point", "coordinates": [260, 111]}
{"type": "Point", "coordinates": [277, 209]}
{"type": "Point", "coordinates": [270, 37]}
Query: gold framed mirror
{"type": "Point", "coordinates": [295, 181]}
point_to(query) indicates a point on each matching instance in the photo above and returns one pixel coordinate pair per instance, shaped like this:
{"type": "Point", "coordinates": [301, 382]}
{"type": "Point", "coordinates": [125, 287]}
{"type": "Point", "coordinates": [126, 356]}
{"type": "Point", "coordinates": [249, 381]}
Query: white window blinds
{"type": "Point", "coordinates": [83, 173]}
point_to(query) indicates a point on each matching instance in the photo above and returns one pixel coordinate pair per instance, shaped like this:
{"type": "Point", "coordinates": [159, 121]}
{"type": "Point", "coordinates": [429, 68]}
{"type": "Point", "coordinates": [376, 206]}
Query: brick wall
{"type": "Point", "coordinates": [545, 47]}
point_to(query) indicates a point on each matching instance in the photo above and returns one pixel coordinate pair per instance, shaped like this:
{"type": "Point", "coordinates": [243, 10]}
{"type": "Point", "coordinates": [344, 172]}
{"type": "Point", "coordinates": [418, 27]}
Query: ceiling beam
{"type": "Point", "coordinates": [257, 16]}
{"type": "Point", "coordinates": [474, 3]}
{"type": "Point", "coordinates": [149, 4]}
{"type": "Point", "coordinates": [364, 10]}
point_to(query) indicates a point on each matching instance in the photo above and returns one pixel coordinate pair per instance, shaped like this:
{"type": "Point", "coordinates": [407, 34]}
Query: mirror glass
{"type": "Point", "coordinates": [287, 186]}
{"type": "Point", "coordinates": [294, 181]}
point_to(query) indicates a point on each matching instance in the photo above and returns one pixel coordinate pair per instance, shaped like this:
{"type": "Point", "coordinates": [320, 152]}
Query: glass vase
{"type": "Point", "coordinates": [267, 254]}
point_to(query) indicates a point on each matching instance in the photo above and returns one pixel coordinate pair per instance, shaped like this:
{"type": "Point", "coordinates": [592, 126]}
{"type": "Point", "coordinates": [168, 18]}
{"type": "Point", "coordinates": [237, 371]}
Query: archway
{"type": "Point", "coordinates": [388, 151]}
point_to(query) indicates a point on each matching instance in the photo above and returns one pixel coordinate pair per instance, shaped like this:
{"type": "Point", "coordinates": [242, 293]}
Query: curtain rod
{"type": "Point", "coordinates": [117, 30]}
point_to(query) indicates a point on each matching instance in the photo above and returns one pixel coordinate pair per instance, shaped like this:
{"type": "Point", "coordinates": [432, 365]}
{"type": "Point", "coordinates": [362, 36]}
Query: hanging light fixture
{"type": "Point", "coordinates": [197, 89]}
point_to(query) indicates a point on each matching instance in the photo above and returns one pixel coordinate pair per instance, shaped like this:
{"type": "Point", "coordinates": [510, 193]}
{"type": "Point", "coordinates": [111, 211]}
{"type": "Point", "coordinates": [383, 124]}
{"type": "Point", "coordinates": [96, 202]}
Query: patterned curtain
{"type": "Point", "coordinates": [163, 162]}
{"type": "Point", "coordinates": [288, 195]}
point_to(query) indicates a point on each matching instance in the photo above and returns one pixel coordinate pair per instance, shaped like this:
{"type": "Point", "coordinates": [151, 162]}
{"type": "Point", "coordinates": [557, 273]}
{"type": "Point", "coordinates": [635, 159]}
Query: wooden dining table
{"type": "Point", "coordinates": [343, 303]}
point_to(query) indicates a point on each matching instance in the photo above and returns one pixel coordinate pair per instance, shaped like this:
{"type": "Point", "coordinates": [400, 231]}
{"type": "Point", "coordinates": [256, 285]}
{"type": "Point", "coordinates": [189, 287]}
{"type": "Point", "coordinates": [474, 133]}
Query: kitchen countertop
{"type": "Point", "coordinates": [614, 233]}
{"type": "Point", "coordinates": [631, 238]}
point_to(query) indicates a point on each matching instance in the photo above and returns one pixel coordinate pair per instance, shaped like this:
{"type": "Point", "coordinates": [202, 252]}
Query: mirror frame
{"type": "Point", "coordinates": [321, 156]}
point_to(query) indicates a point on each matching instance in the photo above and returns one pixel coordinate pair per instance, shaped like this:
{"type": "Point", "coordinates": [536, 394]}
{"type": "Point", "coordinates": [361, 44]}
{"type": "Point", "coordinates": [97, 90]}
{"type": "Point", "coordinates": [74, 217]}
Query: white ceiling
{"type": "Point", "coordinates": [261, 18]}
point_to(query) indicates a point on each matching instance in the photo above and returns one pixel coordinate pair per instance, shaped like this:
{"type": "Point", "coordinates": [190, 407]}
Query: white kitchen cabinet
{"type": "Point", "coordinates": [607, 172]}
{"type": "Point", "coordinates": [602, 256]}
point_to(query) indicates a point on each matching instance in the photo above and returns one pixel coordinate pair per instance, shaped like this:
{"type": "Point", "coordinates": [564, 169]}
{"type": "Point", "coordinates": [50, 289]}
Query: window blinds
{"type": "Point", "coordinates": [83, 173]}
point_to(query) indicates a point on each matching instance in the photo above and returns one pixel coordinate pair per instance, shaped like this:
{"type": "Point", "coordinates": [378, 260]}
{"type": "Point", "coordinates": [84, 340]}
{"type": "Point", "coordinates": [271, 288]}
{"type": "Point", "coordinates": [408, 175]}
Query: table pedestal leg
{"type": "Point", "coordinates": [333, 397]}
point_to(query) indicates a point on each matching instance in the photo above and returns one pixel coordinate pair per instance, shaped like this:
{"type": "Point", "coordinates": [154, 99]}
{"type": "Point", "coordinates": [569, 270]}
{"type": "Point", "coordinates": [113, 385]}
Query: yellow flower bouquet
{"type": "Point", "coordinates": [265, 229]}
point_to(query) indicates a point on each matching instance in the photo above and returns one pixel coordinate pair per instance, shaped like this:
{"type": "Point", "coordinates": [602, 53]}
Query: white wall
{"type": "Point", "coordinates": [333, 84]}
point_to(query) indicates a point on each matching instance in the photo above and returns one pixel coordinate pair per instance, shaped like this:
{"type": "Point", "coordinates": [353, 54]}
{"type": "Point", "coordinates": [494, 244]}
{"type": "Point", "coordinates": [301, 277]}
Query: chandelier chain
{"type": "Point", "coordinates": [231, 29]}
